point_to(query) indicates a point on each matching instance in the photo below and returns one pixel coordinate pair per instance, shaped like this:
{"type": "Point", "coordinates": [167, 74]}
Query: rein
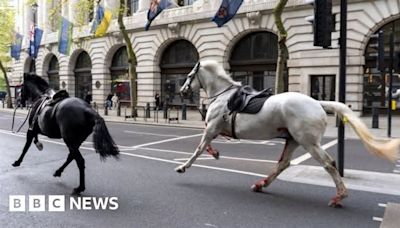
{"type": "Point", "coordinates": [23, 123]}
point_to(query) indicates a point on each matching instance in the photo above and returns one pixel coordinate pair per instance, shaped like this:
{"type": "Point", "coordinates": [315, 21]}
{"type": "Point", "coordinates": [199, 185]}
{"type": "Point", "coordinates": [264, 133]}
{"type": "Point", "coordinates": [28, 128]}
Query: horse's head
{"type": "Point", "coordinates": [33, 87]}
{"type": "Point", "coordinates": [192, 81]}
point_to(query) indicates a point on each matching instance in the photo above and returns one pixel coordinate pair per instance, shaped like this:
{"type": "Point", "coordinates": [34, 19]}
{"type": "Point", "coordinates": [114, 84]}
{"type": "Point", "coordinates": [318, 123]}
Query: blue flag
{"type": "Point", "coordinates": [226, 11]}
{"type": "Point", "coordinates": [156, 6]}
{"type": "Point", "coordinates": [35, 37]}
{"type": "Point", "coordinates": [16, 46]}
{"type": "Point", "coordinates": [65, 36]}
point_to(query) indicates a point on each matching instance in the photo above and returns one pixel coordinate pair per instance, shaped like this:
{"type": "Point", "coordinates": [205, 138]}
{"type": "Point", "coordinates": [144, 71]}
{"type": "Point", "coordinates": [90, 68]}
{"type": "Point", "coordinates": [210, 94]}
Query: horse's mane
{"type": "Point", "coordinates": [217, 69]}
{"type": "Point", "coordinates": [33, 81]}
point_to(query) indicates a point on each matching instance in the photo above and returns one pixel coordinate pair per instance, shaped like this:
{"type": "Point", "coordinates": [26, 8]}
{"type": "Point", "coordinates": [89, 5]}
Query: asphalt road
{"type": "Point", "coordinates": [151, 194]}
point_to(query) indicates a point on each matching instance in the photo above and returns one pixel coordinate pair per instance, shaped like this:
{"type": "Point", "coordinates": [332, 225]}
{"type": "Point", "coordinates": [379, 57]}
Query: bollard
{"type": "Point", "coordinates": [148, 110]}
{"type": "Point", "coordinates": [106, 110]}
{"type": "Point", "coordinates": [375, 118]}
{"type": "Point", "coordinates": [183, 111]}
{"type": "Point", "coordinates": [118, 109]}
{"type": "Point", "coordinates": [3, 101]}
{"type": "Point", "coordinates": [204, 111]}
{"type": "Point", "coordinates": [165, 109]}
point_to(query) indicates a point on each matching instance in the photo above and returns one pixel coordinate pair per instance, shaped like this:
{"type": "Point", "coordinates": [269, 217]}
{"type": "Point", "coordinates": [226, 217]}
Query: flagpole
{"type": "Point", "coordinates": [34, 11]}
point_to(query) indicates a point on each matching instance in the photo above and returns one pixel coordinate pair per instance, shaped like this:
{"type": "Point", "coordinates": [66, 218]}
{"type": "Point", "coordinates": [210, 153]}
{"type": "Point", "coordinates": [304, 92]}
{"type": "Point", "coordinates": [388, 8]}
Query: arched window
{"type": "Point", "coordinates": [83, 75]}
{"type": "Point", "coordinates": [177, 61]}
{"type": "Point", "coordinates": [376, 77]}
{"type": "Point", "coordinates": [53, 74]}
{"type": "Point", "coordinates": [253, 60]}
{"type": "Point", "coordinates": [119, 75]}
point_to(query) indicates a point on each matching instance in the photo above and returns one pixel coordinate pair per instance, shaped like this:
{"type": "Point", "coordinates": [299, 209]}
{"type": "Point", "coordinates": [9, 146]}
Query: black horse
{"type": "Point", "coordinates": [71, 119]}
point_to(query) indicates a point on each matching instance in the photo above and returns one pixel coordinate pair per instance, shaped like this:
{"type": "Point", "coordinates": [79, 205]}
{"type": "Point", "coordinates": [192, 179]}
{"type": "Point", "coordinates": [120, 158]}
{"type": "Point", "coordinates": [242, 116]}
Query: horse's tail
{"type": "Point", "coordinates": [385, 148]}
{"type": "Point", "coordinates": [103, 143]}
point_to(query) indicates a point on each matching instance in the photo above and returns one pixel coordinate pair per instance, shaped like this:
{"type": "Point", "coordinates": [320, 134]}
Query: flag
{"type": "Point", "coordinates": [226, 11]}
{"type": "Point", "coordinates": [156, 6]}
{"type": "Point", "coordinates": [101, 22]}
{"type": "Point", "coordinates": [65, 36]}
{"type": "Point", "coordinates": [35, 37]}
{"type": "Point", "coordinates": [16, 46]}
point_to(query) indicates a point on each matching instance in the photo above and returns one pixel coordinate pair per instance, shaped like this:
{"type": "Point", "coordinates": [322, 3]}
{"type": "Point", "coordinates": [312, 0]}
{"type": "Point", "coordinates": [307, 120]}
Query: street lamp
{"type": "Point", "coordinates": [34, 7]}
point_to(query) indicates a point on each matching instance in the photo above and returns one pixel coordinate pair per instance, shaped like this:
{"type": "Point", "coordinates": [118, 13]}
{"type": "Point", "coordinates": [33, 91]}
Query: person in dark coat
{"type": "Point", "coordinates": [88, 97]}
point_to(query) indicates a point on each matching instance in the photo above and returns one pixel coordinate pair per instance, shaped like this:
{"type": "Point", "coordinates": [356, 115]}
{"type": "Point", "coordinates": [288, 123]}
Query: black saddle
{"type": "Point", "coordinates": [57, 97]}
{"type": "Point", "coordinates": [248, 100]}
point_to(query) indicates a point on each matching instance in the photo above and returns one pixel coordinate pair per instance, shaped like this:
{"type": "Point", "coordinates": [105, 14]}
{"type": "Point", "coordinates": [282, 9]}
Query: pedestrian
{"type": "Point", "coordinates": [157, 101]}
{"type": "Point", "coordinates": [88, 97]}
{"type": "Point", "coordinates": [115, 101]}
{"type": "Point", "coordinates": [109, 102]}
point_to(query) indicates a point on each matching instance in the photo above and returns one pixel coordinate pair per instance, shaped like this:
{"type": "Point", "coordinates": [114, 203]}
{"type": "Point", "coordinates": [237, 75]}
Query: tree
{"type": "Point", "coordinates": [7, 20]}
{"type": "Point", "coordinates": [131, 58]}
{"type": "Point", "coordinates": [282, 49]}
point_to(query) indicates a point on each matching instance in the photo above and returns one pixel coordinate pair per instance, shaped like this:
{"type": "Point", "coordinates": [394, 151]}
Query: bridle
{"type": "Point", "coordinates": [192, 76]}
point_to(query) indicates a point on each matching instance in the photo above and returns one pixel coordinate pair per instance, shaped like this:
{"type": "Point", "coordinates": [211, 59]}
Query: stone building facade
{"type": "Point", "coordinates": [246, 46]}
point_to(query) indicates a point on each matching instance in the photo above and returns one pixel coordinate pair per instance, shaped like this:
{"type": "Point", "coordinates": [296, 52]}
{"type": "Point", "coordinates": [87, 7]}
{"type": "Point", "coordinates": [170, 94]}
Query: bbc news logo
{"type": "Point", "coordinates": [58, 203]}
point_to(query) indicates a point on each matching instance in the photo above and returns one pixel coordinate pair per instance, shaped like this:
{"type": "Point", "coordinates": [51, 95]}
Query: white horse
{"type": "Point", "coordinates": [301, 118]}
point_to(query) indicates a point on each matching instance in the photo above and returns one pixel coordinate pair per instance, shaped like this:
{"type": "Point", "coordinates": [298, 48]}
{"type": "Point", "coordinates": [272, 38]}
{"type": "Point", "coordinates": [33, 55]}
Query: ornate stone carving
{"type": "Point", "coordinates": [254, 17]}
{"type": "Point", "coordinates": [174, 27]}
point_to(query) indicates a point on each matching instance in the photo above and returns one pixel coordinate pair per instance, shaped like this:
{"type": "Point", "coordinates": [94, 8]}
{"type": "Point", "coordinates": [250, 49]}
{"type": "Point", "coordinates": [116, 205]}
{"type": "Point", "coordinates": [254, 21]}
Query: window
{"type": "Point", "coordinates": [323, 87]}
{"type": "Point", "coordinates": [185, 2]}
{"type": "Point", "coordinates": [253, 60]}
{"type": "Point", "coordinates": [119, 75]}
{"type": "Point", "coordinates": [52, 73]}
{"type": "Point", "coordinates": [176, 62]}
{"type": "Point", "coordinates": [132, 7]}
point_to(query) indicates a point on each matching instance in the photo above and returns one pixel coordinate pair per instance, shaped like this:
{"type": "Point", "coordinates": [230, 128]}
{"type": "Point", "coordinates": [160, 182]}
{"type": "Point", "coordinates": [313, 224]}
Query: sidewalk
{"type": "Point", "coordinates": [194, 121]}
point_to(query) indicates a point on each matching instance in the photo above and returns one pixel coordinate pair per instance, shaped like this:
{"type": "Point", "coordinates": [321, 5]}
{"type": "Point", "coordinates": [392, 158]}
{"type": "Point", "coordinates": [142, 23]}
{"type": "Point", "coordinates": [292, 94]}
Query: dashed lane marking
{"type": "Point", "coordinates": [382, 204]}
{"type": "Point", "coordinates": [377, 219]}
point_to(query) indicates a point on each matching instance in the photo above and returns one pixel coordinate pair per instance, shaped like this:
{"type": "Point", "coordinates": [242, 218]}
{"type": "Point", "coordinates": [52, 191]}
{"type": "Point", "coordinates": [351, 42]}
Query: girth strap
{"type": "Point", "coordinates": [233, 121]}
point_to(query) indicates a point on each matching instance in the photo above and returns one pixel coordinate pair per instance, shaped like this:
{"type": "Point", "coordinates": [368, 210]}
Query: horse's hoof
{"type": "Point", "coordinates": [335, 204]}
{"type": "Point", "coordinates": [216, 155]}
{"type": "Point", "coordinates": [57, 174]}
{"type": "Point", "coordinates": [16, 164]}
{"type": "Point", "coordinates": [180, 169]}
{"type": "Point", "coordinates": [39, 146]}
{"type": "Point", "coordinates": [256, 188]}
{"type": "Point", "coordinates": [77, 191]}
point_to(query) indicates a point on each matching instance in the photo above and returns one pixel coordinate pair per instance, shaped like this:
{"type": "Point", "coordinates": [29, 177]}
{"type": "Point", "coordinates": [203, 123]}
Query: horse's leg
{"type": "Point", "coordinates": [213, 152]}
{"type": "Point", "coordinates": [61, 169]}
{"type": "Point", "coordinates": [38, 144]}
{"type": "Point", "coordinates": [29, 137]}
{"type": "Point", "coordinates": [283, 163]}
{"type": "Point", "coordinates": [80, 161]}
{"type": "Point", "coordinates": [205, 141]}
{"type": "Point", "coordinates": [327, 162]}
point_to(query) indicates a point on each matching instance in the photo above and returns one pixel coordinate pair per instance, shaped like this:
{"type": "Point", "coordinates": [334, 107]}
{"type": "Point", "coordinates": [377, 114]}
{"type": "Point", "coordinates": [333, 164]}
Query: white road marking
{"type": "Point", "coordinates": [166, 140]}
{"type": "Point", "coordinates": [377, 219]}
{"type": "Point", "coordinates": [145, 133]}
{"type": "Point", "coordinates": [211, 225]}
{"type": "Point", "coordinates": [185, 159]}
{"type": "Point", "coordinates": [195, 165]}
{"type": "Point", "coordinates": [306, 156]}
{"type": "Point", "coordinates": [225, 157]}
{"type": "Point", "coordinates": [382, 204]}
{"type": "Point", "coordinates": [396, 171]}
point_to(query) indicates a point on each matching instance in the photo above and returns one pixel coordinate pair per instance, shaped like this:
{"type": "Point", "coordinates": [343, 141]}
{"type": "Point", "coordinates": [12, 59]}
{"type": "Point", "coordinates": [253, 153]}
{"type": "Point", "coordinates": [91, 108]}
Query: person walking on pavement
{"type": "Point", "coordinates": [115, 101]}
{"type": "Point", "coordinates": [157, 101]}
{"type": "Point", "coordinates": [109, 102]}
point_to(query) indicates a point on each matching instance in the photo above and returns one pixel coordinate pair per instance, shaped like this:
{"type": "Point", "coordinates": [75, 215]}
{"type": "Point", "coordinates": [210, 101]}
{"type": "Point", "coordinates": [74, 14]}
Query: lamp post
{"type": "Point", "coordinates": [34, 11]}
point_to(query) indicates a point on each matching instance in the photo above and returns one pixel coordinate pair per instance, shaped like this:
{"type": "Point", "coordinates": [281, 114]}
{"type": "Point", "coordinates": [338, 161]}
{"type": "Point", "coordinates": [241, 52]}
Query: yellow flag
{"type": "Point", "coordinates": [102, 28]}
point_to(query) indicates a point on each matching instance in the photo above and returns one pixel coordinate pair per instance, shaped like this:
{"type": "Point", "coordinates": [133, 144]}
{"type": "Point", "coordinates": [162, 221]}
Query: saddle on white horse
{"type": "Point", "coordinates": [248, 100]}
